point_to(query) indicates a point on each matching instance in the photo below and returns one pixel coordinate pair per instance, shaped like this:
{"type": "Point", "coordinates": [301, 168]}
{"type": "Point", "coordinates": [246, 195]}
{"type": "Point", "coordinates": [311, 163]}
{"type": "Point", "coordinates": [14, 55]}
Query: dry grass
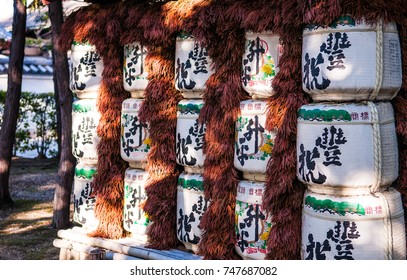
{"type": "Point", "coordinates": [25, 229]}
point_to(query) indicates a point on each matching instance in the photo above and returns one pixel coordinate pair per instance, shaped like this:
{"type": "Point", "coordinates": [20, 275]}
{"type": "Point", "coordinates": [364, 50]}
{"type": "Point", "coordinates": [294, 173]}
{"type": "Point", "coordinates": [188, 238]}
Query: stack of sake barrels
{"type": "Point", "coordinates": [192, 69]}
{"type": "Point", "coordinates": [135, 142]}
{"type": "Point", "coordinates": [86, 68]}
{"type": "Point", "coordinates": [254, 144]}
{"type": "Point", "coordinates": [347, 151]}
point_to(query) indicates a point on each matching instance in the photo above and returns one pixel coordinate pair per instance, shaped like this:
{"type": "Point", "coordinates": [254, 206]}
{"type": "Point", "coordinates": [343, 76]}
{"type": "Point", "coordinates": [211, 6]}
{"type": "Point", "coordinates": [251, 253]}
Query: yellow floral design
{"type": "Point", "coordinates": [267, 147]}
{"type": "Point", "coordinates": [264, 236]}
{"type": "Point", "coordinates": [270, 61]}
{"type": "Point", "coordinates": [147, 141]}
{"type": "Point", "coordinates": [267, 69]}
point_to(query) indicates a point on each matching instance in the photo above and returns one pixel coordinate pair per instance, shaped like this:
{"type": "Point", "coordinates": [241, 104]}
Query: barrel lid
{"type": "Point", "coordinates": [251, 34]}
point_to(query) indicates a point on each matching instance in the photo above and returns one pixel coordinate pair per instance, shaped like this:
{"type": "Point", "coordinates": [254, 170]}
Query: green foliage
{"type": "Point", "coordinates": [36, 124]}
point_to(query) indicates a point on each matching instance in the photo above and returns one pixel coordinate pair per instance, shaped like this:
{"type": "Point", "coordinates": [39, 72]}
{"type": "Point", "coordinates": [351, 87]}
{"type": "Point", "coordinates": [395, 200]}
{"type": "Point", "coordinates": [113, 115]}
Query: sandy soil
{"type": "Point", "coordinates": [25, 229]}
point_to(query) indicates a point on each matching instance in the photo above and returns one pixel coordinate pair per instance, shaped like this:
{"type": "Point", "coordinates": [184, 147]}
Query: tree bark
{"type": "Point", "coordinates": [57, 107]}
{"type": "Point", "coordinates": [61, 214]}
{"type": "Point", "coordinates": [12, 104]}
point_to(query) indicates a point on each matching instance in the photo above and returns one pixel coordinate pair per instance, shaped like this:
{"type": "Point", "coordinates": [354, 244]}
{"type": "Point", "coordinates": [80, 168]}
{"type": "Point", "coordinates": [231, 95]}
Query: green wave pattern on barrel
{"type": "Point", "coordinates": [345, 20]}
{"type": "Point", "coordinates": [324, 115]}
{"type": "Point", "coordinates": [189, 108]}
{"type": "Point", "coordinates": [81, 108]}
{"type": "Point", "coordinates": [85, 173]}
{"type": "Point", "coordinates": [183, 35]}
{"type": "Point", "coordinates": [76, 43]}
{"type": "Point", "coordinates": [340, 208]}
{"type": "Point", "coordinates": [191, 184]}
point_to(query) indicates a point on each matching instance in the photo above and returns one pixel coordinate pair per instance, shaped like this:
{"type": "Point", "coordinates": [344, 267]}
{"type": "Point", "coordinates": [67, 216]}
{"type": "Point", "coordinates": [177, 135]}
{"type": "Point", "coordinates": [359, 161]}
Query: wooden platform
{"type": "Point", "coordinates": [75, 244]}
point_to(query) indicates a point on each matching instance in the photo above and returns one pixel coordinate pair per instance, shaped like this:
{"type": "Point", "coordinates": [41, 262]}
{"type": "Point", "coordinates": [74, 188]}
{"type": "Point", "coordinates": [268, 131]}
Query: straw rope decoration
{"type": "Point", "coordinates": [387, 227]}
{"type": "Point", "coordinates": [283, 192]}
{"type": "Point", "coordinates": [225, 44]}
{"type": "Point", "coordinates": [89, 24]}
{"type": "Point", "coordinates": [377, 144]}
{"type": "Point", "coordinates": [144, 23]}
{"type": "Point", "coordinates": [379, 59]}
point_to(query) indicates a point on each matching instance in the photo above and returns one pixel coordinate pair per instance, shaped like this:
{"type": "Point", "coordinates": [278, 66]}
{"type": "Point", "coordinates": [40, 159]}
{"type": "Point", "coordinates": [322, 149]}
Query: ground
{"type": "Point", "coordinates": [25, 230]}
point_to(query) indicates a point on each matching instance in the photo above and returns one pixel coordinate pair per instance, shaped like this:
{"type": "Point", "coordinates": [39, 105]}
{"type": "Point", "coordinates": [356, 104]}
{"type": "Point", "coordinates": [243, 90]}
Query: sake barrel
{"type": "Point", "coordinates": [192, 66]}
{"type": "Point", "coordinates": [85, 119]}
{"type": "Point", "coordinates": [190, 136]}
{"type": "Point", "coordinates": [347, 148]}
{"type": "Point", "coordinates": [252, 223]}
{"type": "Point", "coordinates": [135, 140]}
{"type": "Point", "coordinates": [360, 227]}
{"type": "Point", "coordinates": [134, 69]}
{"type": "Point", "coordinates": [85, 70]}
{"type": "Point", "coordinates": [135, 220]}
{"type": "Point", "coordinates": [351, 61]}
{"type": "Point", "coordinates": [260, 63]}
{"type": "Point", "coordinates": [191, 205]}
{"type": "Point", "coordinates": [84, 199]}
{"type": "Point", "coordinates": [253, 142]}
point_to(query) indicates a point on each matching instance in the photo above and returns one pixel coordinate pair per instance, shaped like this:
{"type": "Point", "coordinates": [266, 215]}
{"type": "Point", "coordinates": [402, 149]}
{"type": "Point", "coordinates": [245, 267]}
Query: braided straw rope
{"type": "Point", "coordinates": [376, 146]}
{"type": "Point", "coordinates": [379, 60]}
{"type": "Point", "coordinates": [378, 173]}
{"type": "Point", "coordinates": [388, 232]}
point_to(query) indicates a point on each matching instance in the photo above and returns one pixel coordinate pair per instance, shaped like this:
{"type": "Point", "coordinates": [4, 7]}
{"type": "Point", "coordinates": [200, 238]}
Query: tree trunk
{"type": "Point", "coordinates": [61, 215]}
{"type": "Point", "coordinates": [57, 108]}
{"type": "Point", "coordinates": [12, 104]}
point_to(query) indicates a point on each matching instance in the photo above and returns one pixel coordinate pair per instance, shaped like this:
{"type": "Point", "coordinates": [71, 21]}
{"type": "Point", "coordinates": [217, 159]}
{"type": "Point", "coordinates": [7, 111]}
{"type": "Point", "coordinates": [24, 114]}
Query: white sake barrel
{"type": "Point", "coordinates": [135, 220]}
{"type": "Point", "coordinates": [348, 148]}
{"type": "Point", "coordinates": [253, 142]}
{"type": "Point", "coordinates": [260, 63]}
{"type": "Point", "coordinates": [134, 69]}
{"type": "Point", "coordinates": [361, 227]}
{"type": "Point", "coordinates": [351, 61]}
{"type": "Point", "coordinates": [85, 119]}
{"type": "Point", "coordinates": [191, 205]}
{"type": "Point", "coordinates": [190, 136]}
{"type": "Point", "coordinates": [86, 70]}
{"type": "Point", "coordinates": [83, 198]}
{"type": "Point", "coordinates": [252, 223]}
{"type": "Point", "coordinates": [135, 142]}
{"type": "Point", "coordinates": [192, 66]}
